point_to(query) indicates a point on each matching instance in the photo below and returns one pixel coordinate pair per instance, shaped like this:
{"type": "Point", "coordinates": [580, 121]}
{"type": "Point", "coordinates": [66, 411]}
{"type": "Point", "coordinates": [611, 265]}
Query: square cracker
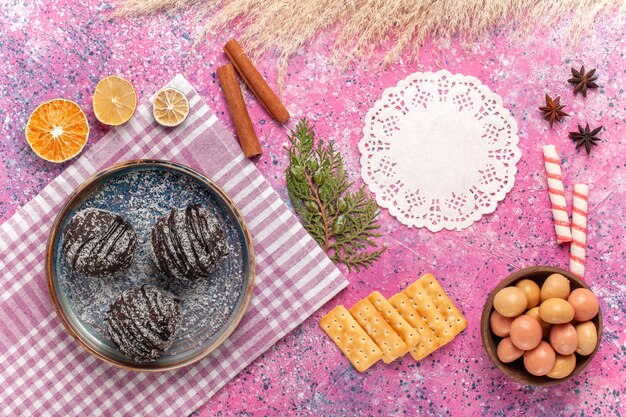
{"type": "Point", "coordinates": [428, 339]}
{"type": "Point", "coordinates": [409, 335]}
{"type": "Point", "coordinates": [446, 307]}
{"type": "Point", "coordinates": [379, 330]}
{"type": "Point", "coordinates": [424, 304]}
{"type": "Point", "coordinates": [355, 344]}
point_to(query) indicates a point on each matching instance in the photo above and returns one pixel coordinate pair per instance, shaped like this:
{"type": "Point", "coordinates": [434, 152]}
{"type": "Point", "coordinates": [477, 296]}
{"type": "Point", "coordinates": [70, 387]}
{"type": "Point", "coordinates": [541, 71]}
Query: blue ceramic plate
{"type": "Point", "coordinates": [143, 191]}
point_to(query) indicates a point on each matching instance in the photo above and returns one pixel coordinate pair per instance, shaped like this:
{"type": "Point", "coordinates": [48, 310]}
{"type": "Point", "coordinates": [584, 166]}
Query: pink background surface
{"type": "Point", "coordinates": [62, 48]}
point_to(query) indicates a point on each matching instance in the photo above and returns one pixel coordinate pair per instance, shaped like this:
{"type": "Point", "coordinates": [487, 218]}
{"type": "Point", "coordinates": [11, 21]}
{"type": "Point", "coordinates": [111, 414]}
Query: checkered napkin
{"type": "Point", "coordinates": [43, 371]}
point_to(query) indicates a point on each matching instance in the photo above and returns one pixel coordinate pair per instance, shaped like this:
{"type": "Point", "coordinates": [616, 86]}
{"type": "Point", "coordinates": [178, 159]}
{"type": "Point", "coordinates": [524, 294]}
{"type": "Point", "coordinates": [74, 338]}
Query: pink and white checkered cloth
{"type": "Point", "coordinates": [44, 372]}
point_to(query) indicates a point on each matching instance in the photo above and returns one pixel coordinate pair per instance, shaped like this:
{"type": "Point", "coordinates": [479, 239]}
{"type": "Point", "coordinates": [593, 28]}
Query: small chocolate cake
{"type": "Point", "coordinates": [98, 242]}
{"type": "Point", "coordinates": [143, 322]}
{"type": "Point", "coordinates": [188, 243]}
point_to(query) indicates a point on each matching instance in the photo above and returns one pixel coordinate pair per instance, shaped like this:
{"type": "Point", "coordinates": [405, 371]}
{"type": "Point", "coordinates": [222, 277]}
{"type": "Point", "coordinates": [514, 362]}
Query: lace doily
{"type": "Point", "coordinates": [439, 150]}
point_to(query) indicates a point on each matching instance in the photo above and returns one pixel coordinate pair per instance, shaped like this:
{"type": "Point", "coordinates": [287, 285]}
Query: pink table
{"type": "Point", "coordinates": [63, 48]}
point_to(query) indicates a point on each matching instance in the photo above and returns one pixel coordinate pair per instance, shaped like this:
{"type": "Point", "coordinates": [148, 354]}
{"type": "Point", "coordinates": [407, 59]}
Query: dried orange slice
{"type": "Point", "coordinates": [57, 130]}
{"type": "Point", "coordinates": [114, 100]}
{"type": "Point", "coordinates": [170, 107]}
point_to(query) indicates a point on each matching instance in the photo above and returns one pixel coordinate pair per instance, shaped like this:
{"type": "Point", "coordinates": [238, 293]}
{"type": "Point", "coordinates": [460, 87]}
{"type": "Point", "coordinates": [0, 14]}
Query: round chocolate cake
{"type": "Point", "coordinates": [143, 322]}
{"type": "Point", "coordinates": [98, 242]}
{"type": "Point", "coordinates": [188, 243]}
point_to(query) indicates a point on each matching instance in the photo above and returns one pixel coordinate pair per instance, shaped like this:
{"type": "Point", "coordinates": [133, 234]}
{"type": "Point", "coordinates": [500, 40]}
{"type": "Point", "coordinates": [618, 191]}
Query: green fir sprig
{"type": "Point", "coordinates": [343, 222]}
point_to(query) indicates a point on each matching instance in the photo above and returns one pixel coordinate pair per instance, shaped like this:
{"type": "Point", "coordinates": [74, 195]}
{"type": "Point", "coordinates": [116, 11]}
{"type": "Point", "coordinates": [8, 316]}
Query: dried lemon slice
{"type": "Point", "coordinates": [57, 130]}
{"type": "Point", "coordinates": [114, 100]}
{"type": "Point", "coordinates": [170, 107]}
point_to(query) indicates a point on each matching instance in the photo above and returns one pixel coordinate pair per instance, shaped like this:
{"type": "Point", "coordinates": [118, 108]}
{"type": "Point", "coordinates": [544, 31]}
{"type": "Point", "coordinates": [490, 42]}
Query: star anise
{"type": "Point", "coordinates": [553, 110]}
{"type": "Point", "coordinates": [583, 80]}
{"type": "Point", "coordinates": [585, 137]}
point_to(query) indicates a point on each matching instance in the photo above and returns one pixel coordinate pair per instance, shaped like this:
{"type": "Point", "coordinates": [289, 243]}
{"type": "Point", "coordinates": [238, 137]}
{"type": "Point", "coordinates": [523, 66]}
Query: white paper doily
{"type": "Point", "coordinates": [439, 150]}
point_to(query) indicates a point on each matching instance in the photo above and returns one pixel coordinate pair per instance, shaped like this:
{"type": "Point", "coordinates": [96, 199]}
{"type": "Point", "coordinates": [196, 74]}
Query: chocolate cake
{"type": "Point", "coordinates": [98, 242]}
{"type": "Point", "coordinates": [188, 243]}
{"type": "Point", "coordinates": [143, 322]}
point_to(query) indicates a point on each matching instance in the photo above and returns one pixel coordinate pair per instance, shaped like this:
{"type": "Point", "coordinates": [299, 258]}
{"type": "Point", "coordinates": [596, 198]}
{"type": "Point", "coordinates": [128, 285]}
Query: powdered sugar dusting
{"type": "Point", "coordinates": [98, 242]}
{"type": "Point", "coordinates": [189, 242]}
{"type": "Point", "coordinates": [143, 196]}
{"type": "Point", "coordinates": [144, 321]}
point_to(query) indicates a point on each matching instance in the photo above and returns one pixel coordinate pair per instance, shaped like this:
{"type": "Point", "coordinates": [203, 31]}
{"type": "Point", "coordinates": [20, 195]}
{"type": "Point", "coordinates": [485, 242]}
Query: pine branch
{"type": "Point", "coordinates": [344, 223]}
{"type": "Point", "coordinates": [359, 260]}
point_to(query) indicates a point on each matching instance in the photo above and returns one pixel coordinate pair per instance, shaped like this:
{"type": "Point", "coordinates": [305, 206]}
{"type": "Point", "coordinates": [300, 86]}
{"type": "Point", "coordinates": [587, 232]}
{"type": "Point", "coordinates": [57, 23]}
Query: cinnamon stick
{"type": "Point", "coordinates": [238, 111]}
{"type": "Point", "coordinates": [255, 81]}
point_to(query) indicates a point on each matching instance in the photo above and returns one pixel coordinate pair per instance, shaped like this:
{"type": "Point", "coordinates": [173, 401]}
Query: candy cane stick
{"type": "Point", "coordinates": [579, 230]}
{"type": "Point", "coordinates": [557, 194]}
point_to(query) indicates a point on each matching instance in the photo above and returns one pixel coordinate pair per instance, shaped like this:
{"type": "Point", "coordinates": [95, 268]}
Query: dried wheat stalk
{"type": "Point", "coordinates": [359, 26]}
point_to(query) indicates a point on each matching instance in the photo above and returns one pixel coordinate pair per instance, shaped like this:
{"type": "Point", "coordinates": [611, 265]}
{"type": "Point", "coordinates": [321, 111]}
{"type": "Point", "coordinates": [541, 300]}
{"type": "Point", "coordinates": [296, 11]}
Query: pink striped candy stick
{"type": "Point", "coordinates": [579, 230]}
{"type": "Point", "coordinates": [557, 194]}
